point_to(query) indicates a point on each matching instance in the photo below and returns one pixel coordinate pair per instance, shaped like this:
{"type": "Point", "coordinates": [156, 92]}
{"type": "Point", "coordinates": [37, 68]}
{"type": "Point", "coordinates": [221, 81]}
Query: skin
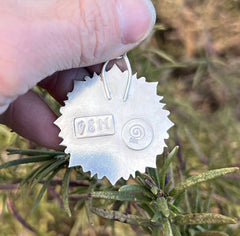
{"type": "Point", "coordinates": [53, 43]}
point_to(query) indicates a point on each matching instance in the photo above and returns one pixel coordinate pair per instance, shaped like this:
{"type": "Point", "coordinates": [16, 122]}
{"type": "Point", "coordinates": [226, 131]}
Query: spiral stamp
{"type": "Point", "coordinates": [137, 134]}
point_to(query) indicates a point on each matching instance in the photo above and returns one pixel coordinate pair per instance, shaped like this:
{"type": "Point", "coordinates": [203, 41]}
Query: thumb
{"type": "Point", "coordinates": [39, 38]}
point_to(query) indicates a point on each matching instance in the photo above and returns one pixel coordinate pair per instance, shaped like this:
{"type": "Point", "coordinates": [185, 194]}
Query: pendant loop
{"type": "Point", "coordinates": [105, 82]}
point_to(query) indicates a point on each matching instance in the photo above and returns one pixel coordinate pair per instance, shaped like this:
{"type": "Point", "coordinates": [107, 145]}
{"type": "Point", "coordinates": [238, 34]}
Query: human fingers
{"type": "Point", "coordinates": [30, 117]}
{"type": "Point", "coordinates": [40, 38]}
{"type": "Point", "coordinates": [61, 83]}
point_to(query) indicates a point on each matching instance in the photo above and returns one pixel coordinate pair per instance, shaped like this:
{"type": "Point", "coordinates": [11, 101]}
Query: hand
{"type": "Point", "coordinates": [38, 39]}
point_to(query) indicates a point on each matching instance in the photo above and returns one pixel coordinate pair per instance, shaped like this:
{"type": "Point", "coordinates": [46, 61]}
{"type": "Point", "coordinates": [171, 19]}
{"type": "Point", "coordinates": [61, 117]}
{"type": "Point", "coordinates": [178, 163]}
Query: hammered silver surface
{"type": "Point", "coordinates": [110, 137]}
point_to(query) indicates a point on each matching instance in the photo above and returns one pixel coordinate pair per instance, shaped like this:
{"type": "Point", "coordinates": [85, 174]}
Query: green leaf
{"type": "Point", "coordinates": [175, 230]}
{"type": "Point", "coordinates": [124, 217]}
{"type": "Point", "coordinates": [179, 198]}
{"type": "Point", "coordinates": [163, 206]}
{"type": "Point", "coordinates": [147, 208]}
{"type": "Point", "coordinates": [43, 189]}
{"type": "Point", "coordinates": [65, 191]}
{"type": "Point", "coordinates": [132, 188]}
{"type": "Point", "coordinates": [136, 188]}
{"type": "Point", "coordinates": [34, 152]}
{"type": "Point", "coordinates": [162, 175]}
{"type": "Point", "coordinates": [30, 176]}
{"type": "Point", "coordinates": [140, 179]}
{"type": "Point", "coordinates": [157, 216]}
{"type": "Point", "coordinates": [38, 171]}
{"type": "Point", "coordinates": [167, 227]}
{"type": "Point", "coordinates": [153, 172]}
{"type": "Point", "coordinates": [204, 177]}
{"type": "Point", "coordinates": [49, 169]}
{"type": "Point", "coordinates": [119, 196]}
{"type": "Point", "coordinates": [203, 218]}
{"type": "Point", "coordinates": [25, 161]}
{"type": "Point", "coordinates": [174, 208]}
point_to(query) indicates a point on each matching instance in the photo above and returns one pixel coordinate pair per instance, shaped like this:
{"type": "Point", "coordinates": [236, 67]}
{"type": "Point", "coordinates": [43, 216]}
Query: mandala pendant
{"type": "Point", "coordinates": [112, 133]}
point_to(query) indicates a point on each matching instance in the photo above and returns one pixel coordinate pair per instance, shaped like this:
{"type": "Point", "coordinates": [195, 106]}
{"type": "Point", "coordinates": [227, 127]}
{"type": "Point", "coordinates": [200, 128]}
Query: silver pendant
{"type": "Point", "coordinates": [112, 133]}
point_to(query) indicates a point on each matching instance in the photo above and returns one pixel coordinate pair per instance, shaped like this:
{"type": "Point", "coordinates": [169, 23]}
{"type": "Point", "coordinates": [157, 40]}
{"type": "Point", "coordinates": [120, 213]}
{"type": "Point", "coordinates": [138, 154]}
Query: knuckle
{"type": "Point", "coordinates": [98, 28]}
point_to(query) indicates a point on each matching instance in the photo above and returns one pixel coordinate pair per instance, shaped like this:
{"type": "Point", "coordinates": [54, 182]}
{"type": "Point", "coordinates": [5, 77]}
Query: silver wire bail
{"type": "Point", "coordinates": [105, 82]}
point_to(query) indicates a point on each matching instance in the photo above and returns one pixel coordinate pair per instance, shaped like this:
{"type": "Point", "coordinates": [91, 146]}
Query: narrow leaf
{"type": "Point", "coordinates": [146, 207]}
{"type": "Point", "coordinates": [29, 176]}
{"type": "Point", "coordinates": [45, 172]}
{"type": "Point", "coordinates": [120, 196]}
{"type": "Point", "coordinates": [33, 152]}
{"type": "Point", "coordinates": [36, 171]}
{"type": "Point", "coordinates": [175, 230]}
{"type": "Point", "coordinates": [203, 218]}
{"type": "Point", "coordinates": [40, 169]}
{"type": "Point", "coordinates": [157, 216]}
{"type": "Point", "coordinates": [166, 165]}
{"type": "Point", "coordinates": [124, 218]}
{"type": "Point", "coordinates": [163, 206]}
{"type": "Point", "coordinates": [65, 191]}
{"type": "Point", "coordinates": [154, 174]}
{"type": "Point", "coordinates": [25, 161]}
{"type": "Point", "coordinates": [136, 188]}
{"type": "Point", "coordinates": [167, 227]}
{"type": "Point", "coordinates": [212, 174]}
{"type": "Point", "coordinates": [42, 191]}
{"type": "Point", "coordinates": [174, 208]}
{"type": "Point", "coordinates": [180, 197]}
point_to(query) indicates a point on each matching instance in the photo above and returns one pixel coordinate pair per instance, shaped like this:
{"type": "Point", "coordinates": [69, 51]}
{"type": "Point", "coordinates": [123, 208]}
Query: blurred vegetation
{"type": "Point", "coordinates": [194, 54]}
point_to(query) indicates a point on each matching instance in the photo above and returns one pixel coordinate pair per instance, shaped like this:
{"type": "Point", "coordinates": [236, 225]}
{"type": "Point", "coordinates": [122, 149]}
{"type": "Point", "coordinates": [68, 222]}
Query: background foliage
{"type": "Point", "coordinates": [194, 54]}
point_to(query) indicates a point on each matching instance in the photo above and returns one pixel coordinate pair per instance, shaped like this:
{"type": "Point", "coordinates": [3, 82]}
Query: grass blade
{"type": "Point", "coordinates": [65, 191]}
{"type": "Point", "coordinates": [163, 55]}
{"type": "Point", "coordinates": [209, 175]}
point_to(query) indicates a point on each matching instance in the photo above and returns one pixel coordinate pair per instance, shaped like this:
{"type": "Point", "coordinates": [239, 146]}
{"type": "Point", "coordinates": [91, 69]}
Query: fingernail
{"type": "Point", "coordinates": [136, 19]}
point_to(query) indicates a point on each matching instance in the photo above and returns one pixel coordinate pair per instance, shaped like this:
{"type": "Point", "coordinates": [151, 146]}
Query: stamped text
{"type": "Point", "coordinates": [94, 126]}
